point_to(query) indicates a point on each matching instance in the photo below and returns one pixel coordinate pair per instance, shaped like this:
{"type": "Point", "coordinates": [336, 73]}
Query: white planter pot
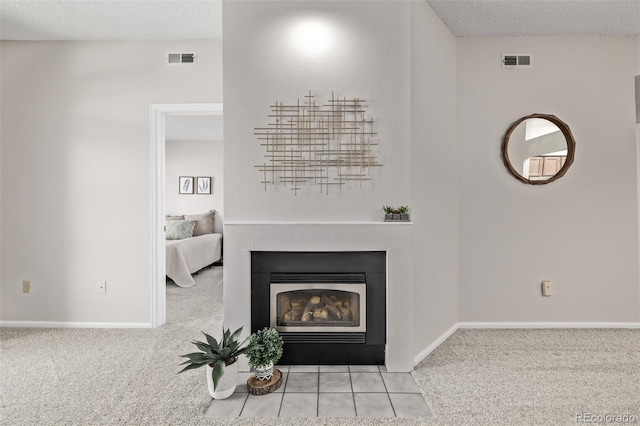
{"type": "Point", "coordinates": [264, 372]}
{"type": "Point", "coordinates": [228, 381]}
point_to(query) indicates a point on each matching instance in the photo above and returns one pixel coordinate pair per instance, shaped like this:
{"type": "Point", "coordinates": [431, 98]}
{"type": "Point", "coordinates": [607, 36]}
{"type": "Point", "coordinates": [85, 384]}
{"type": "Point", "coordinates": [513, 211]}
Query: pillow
{"type": "Point", "coordinates": [179, 229]}
{"type": "Point", "coordinates": [204, 222]}
{"type": "Point", "coordinates": [171, 217]}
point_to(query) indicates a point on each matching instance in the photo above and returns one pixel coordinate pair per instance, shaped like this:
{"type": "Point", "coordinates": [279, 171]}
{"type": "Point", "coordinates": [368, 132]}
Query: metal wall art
{"type": "Point", "coordinates": [321, 145]}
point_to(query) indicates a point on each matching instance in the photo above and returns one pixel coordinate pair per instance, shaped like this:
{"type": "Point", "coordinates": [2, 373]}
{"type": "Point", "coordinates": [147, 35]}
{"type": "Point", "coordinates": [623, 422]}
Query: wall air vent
{"type": "Point", "coordinates": [517, 60]}
{"type": "Point", "coordinates": [181, 58]}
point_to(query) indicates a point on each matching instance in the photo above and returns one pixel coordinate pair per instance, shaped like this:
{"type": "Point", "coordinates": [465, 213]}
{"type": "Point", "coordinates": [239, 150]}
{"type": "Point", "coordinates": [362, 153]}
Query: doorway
{"type": "Point", "coordinates": [158, 116]}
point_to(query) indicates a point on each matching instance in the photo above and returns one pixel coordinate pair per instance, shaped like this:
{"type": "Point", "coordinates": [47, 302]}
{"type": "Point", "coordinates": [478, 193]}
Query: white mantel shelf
{"type": "Point", "coordinates": [282, 223]}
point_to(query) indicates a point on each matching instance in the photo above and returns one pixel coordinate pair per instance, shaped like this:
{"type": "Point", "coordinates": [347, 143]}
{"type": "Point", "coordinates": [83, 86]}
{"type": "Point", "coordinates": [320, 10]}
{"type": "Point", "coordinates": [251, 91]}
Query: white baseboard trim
{"type": "Point", "coordinates": [511, 325]}
{"type": "Point", "coordinates": [64, 324]}
{"type": "Point", "coordinates": [440, 340]}
{"type": "Point", "coordinates": [521, 325]}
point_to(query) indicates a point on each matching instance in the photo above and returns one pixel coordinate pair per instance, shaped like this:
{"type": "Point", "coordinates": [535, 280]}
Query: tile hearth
{"type": "Point", "coordinates": [328, 391]}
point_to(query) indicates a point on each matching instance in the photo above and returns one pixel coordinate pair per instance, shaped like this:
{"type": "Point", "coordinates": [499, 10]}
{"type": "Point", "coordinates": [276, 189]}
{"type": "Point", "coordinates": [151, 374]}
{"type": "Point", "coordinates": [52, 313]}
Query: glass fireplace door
{"type": "Point", "coordinates": [318, 307]}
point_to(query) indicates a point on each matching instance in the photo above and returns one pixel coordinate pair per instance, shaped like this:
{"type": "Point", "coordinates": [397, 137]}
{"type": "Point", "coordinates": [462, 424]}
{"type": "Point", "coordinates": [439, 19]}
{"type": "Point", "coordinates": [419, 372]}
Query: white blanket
{"type": "Point", "coordinates": [184, 257]}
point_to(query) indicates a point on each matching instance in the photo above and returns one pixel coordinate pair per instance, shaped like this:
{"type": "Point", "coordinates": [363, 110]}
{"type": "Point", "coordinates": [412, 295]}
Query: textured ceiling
{"type": "Point", "coordinates": [110, 20]}
{"type": "Point", "coordinates": [202, 19]}
{"type": "Point", "coordinates": [467, 18]}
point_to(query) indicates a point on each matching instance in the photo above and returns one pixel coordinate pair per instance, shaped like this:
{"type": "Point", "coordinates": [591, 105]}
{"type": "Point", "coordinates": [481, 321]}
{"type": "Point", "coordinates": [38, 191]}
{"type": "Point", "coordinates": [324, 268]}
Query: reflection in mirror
{"type": "Point", "coordinates": [538, 149]}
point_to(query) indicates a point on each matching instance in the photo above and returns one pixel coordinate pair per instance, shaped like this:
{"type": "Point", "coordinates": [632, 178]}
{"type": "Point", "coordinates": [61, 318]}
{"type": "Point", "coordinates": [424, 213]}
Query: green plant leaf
{"type": "Point", "coordinates": [199, 363]}
{"type": "Point", "coordinates": [198, 356]}
{"type": "Point", "coordinates": [217, 372]}
{"type": "Point", "coordinates": [225, 337]}
{"type": "Point", "coordinates": [191, 367]}
{"type": "Point", "coordinates": [250, 348]}
{"type": "Point", "coordinates": [236, 334]}
{"type": "Point", "coordinates": [204, 347]}
{"type": "Point", "coordinates": [212, 342]}
{"type": "Point", "coordinates": [233, 346]}
{"type": "Point", "coordinates": [245, 341]}
{"type": "Point", "coordinates": [225, 353]}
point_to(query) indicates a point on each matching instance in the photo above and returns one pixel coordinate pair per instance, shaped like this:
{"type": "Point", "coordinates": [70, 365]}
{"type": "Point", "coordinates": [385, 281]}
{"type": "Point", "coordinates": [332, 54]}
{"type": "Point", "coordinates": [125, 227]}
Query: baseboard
{"type": "Point", "coordinates": [511, 325]}
{"type": "Point", "coordinates": [440, 340]}
{"type": "Point", "coordinates": [64, 324]}
{"type": "Point", "coordinates": [522, 325]}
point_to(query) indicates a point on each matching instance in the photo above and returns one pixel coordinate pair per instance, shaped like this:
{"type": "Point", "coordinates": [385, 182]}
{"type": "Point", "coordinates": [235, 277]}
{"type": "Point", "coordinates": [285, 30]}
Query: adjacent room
{"type": "Point", "coordinates": [194, 202]}
{"type": "Point", "coordinates": [421, 211]}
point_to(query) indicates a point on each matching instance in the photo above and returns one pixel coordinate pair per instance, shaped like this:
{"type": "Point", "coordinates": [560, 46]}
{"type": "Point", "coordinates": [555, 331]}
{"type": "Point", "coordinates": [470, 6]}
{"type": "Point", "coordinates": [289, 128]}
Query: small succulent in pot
{"type": "Point", "coordinates": [404, 212]}
{"type": "Point", "coordinates": [388, 212]}
{"type": "Point", "coordinates": [218, 354]}
{"type": "Point", "coordinates": [270, 350]}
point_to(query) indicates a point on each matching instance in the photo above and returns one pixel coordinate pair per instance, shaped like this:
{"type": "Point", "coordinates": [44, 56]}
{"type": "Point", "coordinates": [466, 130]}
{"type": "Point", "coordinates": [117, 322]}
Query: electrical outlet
{"type": "Point", "coordinates": [102, 287]}
{"type": "Point", "coordinates": [547, 288]}
{"type": "Point", "coordinates": [26, 286]}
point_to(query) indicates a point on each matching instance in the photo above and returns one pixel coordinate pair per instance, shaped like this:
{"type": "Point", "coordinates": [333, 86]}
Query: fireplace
{"type": "Point", "coordinates": [318, 307]}
{"type": "Point", "coordinates": [329, 307]}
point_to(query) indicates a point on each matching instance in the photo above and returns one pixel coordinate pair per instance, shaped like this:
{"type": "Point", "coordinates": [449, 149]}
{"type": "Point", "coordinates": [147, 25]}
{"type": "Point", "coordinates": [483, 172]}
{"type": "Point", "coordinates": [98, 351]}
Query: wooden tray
{"type": "Point", "coordinates": [263, 387]}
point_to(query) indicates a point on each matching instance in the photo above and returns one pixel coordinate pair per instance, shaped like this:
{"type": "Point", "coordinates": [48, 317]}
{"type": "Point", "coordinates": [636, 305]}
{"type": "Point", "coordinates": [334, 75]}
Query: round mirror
{"type": "Point", "coordinates": [538, 149]}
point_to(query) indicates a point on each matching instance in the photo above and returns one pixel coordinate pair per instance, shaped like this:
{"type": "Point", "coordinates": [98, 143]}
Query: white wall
{"type": "Point", "coordinates": [637, 81]}
{"type": "Point", "coordinates": [195, 158]}
{"type": "Point", "coordinates": [638, 136]}
{"type": "Point", "coordinates": [76, 172]}
{"type": "Point", "coordinates": [581, 231]}
{"type": "Point", "coordinates": [370, 59]}
{"type": "Point", "coordinates": [434, 176]}
{"type": "Point", "coordinates": [401, 58]}
{"type": "Point", "coordinates": [638, 98]}
{"type": "Point", "coordinates": [638, 55]}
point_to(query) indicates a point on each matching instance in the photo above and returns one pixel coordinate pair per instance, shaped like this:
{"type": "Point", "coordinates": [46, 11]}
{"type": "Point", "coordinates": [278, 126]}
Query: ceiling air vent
{"type": "Point", "coordinates": [517, 60]}
{"type": "Point", "coordinates": [184, 58]}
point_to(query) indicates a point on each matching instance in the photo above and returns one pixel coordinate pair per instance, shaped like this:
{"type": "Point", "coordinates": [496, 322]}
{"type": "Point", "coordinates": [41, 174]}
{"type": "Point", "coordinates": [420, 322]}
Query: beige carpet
{"type": "Point", "coordinates": [128, 377]}
{"type": "Point", "coordinates": [542, 377]}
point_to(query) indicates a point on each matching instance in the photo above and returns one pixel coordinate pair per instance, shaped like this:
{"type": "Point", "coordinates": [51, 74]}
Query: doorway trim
{"type": "Point", "coordinates": [158, 115]}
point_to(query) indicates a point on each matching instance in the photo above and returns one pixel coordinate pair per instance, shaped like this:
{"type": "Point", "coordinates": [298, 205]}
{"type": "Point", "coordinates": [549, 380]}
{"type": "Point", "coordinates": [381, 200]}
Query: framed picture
{"type": "Point", "coordinates": [203, 185]}
{"type": "Point", "coordinates": [186, 185]}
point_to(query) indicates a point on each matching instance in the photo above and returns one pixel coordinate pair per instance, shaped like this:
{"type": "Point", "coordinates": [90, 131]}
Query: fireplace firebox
{"type": "Point", "coordinates": [329, 307]}
{"type": "Point", "coordinates": [318, 307]}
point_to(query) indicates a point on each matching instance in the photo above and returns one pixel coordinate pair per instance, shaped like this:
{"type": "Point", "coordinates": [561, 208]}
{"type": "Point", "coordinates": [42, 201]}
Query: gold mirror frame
{"type": "Point", "coordinates": [571, 148]}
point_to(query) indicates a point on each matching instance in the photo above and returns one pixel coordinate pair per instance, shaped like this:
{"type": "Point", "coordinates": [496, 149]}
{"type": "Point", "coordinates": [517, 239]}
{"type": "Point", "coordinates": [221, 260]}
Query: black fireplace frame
{"type": "Point", "coordinates": [347, 348]}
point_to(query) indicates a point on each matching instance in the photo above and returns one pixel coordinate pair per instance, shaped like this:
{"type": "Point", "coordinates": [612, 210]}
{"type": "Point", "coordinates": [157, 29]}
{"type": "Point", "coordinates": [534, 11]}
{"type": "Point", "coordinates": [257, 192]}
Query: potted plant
{"type": "Point", "coordinates": [388, 212]}
{"type": "Point", "coordinates": [269, 351]}
{"type": "Point", "coordinates": [404, 212]}
{"type": "Point", "coordinates": [220, 359]}
{"type": "Point", "coordinates": [396, 213]}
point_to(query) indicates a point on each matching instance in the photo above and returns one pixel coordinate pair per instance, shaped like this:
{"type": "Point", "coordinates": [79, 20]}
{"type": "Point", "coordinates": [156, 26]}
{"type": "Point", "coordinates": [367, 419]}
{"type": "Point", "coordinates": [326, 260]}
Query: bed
{"type": "Point", "coordinates": [191, 245]}
{"type": "Point", "coordinates": [187, 256]}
